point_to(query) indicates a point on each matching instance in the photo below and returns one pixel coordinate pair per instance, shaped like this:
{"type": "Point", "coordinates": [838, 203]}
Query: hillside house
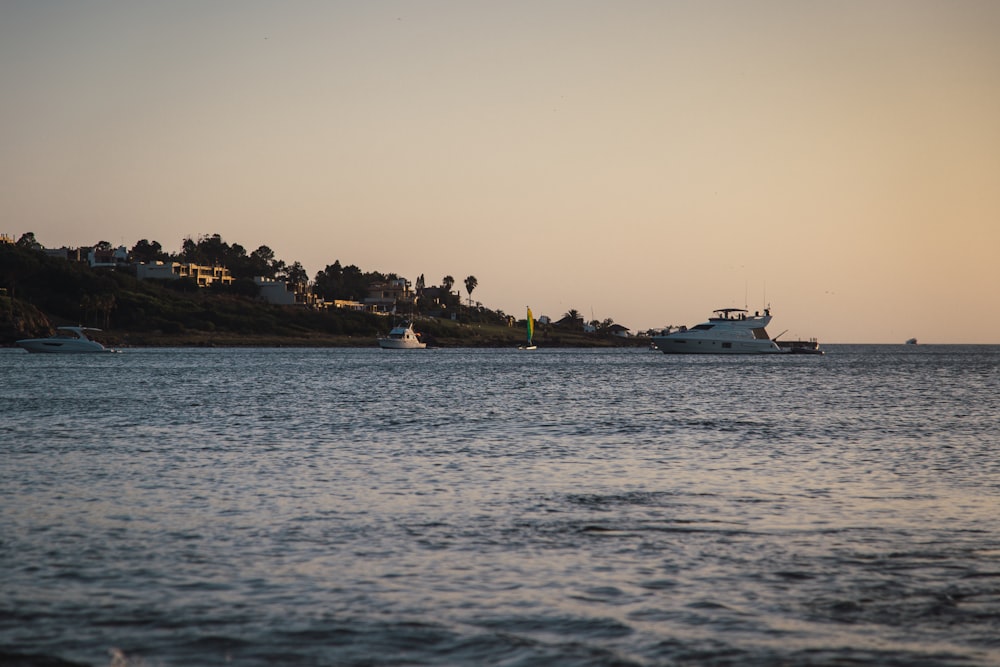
{"type": "Point", "coordinates": [202, 275]}
{"type": "Point", "coordinates": [391, 295]}
{"type": "Point", "coordinates": [107, 258]}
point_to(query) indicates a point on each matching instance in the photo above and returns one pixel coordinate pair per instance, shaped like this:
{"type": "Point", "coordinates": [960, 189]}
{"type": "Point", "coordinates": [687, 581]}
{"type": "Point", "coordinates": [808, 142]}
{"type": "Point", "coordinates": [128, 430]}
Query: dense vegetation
{"type": "Point", "coordinates": [39, 292]}
{"type": "Point", "coordinates": [43, 292]}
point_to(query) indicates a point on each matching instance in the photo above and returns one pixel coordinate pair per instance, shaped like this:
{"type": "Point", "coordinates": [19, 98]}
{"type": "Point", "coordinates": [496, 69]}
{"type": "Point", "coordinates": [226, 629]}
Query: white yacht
{"type": "Point", "coordinates": [402, 337]}
{"type": "Point", "coordinates": [66, 340]}
{"type": "Point", "coordinates": [730, 331]}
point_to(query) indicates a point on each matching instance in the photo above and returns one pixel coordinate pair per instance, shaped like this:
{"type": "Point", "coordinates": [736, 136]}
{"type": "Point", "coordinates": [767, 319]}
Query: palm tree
{"type": "Point", "coordinates": [106, 303]}
{"type": "Point", "coordinates": [470, 284]}
{"type": "Point", "coordinates": [447, 283]}
{"type": "Point", "coordinates": [574, 319]}
{"type": "Point", "coordinates": [87, 303]}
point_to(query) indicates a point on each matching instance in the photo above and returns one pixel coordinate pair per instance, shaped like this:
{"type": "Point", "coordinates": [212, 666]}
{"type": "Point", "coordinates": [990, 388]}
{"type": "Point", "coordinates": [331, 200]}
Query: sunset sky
{"type": "Point", "coordinates": [641, 161]}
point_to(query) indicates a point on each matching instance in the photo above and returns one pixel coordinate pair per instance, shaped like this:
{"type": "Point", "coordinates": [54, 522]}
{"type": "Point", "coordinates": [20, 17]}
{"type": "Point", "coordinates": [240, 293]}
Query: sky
{"type": "Point", "coordinates": [646, 162]}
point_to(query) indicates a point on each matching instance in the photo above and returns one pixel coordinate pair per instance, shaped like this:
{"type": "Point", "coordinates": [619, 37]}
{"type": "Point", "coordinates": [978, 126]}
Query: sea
{"type": "Point", "coordinates": [569, 507]}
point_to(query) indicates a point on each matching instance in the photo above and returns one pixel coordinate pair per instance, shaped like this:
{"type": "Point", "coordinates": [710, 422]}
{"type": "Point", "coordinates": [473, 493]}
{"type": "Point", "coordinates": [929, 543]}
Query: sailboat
{"type": "Point", "coordinates": [530, 325]}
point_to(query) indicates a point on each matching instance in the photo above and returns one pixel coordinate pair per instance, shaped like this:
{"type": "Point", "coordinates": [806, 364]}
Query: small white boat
{"type": "Point", "coordinates": [67, 340]}
{"type": "Point", "coordinates": [402, 337]}
{"type": "Point", "coordinates": [731, 331]}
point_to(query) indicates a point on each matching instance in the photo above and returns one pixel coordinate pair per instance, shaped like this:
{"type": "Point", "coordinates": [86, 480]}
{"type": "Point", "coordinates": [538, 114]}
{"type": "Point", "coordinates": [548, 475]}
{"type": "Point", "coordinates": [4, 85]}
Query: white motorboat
{"type": "Point", "coordinates": [67, 340]}
{"type": "Point", "coordinates": [402, 337]}
{"type": "Point", "coordinates": [730, 331]}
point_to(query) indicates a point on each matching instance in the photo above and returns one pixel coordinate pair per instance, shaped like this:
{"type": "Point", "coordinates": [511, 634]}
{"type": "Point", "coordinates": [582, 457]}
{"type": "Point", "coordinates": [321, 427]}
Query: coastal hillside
{"type": "Point", "coordinates": [39, 292]}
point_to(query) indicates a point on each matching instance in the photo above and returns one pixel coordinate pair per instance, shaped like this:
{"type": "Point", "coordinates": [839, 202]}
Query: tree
{"type": "Point", "coordinates": [105, 303]}
{"type": "Point", "coordinates": [329, 281]}
{"type": "Point", "coordinates": [28, 241]}
{"type": "Point", "coordinates": [470, 284]}
{"type": "Point", "coordinates": [355, 282]}
{"type": "Point", "coordinates": [447, 283]}
{"type": "Point", "coordinates": [261, 263]}
{"type": "Point", "coordinates": [88, 302]}
{"type": "Point", "coordinates": [212, 250]}
{"type": "Point", "coordinates": [189, 250]}
{"type": "Point", "coordinates": [573, 319]}
{"type": "Point", "coordinates": [148, 251]}
{"type": "Point", "coordinates": [296, 274]}
{"type": "Point", "coordinates": [17, 263]}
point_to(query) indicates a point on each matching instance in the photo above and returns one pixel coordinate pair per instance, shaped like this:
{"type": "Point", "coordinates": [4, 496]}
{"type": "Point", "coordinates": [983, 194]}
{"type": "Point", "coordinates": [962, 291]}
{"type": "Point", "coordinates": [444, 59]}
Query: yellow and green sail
{"type": "Point", "coordinates": [531, 326]}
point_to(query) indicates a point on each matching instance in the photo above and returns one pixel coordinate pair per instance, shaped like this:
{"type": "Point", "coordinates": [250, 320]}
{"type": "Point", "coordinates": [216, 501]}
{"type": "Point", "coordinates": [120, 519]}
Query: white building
{"type": "Point", "coordinates": [275, 291]}
{"type": "Point", "coordinates": [108, 258]}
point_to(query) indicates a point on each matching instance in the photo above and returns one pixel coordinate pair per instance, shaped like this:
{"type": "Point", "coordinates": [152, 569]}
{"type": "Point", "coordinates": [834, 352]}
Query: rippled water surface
{"type": "Point", "coordinates": [491, 507]}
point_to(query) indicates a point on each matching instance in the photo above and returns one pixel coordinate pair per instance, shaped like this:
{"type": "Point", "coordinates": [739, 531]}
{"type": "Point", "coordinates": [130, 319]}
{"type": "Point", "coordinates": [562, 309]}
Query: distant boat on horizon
{"type": "Point", "coordinates": [912, 341]}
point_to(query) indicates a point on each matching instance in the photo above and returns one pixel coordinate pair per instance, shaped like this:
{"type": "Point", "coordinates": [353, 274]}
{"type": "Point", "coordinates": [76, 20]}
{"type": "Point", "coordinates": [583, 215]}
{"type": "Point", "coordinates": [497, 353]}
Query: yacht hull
{"type": "Point", "coordinates": [390, 344]}
{"type": "Point", "coordinates": [680, 345]}
{"type": "Point", "coordinates": [46, 346]}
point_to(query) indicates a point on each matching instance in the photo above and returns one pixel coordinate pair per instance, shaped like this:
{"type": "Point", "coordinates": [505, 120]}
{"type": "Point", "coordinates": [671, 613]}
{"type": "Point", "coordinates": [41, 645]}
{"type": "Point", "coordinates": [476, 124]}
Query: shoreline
{"type": "Point", "coordinates": [126, 341]}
